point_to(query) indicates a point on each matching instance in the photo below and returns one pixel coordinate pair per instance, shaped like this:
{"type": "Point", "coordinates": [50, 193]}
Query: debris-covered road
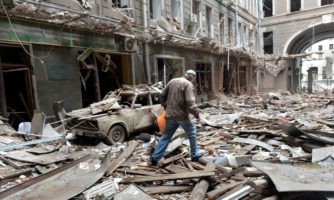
{"type": "Point", "coordinates": [268, 146]}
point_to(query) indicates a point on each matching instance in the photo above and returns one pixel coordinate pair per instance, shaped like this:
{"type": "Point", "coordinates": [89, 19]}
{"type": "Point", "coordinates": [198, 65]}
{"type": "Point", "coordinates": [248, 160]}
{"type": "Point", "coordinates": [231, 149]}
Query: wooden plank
{"type": "Point", "coordinates": [201, 188]}
{"type": "Point", "coordinates": [122, 158]}
{"type": "Point", "coordinates": [139, 172]}
{"type": "Point", "coordinates": [197, 166]}
{"type": "Point", "coordinates": [187, 164]}
{"type": "Point", "coordinates": [172, 159]}
{"type": "Point", "coordinates": [176, 169]}
{"type": "Point", "coordinates": [222, 188]}
{"type": "Point", "coordinates": [166, 189]}
{"type": "Point", "coordinates": [188, 175]}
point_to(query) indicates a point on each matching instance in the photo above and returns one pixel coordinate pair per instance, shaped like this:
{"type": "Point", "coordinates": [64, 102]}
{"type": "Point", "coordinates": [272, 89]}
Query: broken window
{"type": "Point", "coordinates": [295, 5]}
{"type": "Point", "coordinates": [155, 98]}
{"type": "Point", "coordinates": [267, 8]}
{"type": "Point", "coordinates": [324, 73]}
{"type": "Point", "coordinates": [143, 100]}
{"type": "Point", "coordinates": [239, 35]}
{"type": "Point", "coordinates": [251, 39]}
{"type": "Point", "coordinates": [320, 48]}
{"type": "Point", "coordinates": [176, 10]}
{"type": "Point", "coordinates": [155, 9]}
{"type": "Point", "coordinates": [326, 2]}
{"type": "Point", "coordinates": [268, 42]}
{"type": "Point", "coordinates": [169, 68]}
{"type": "Point", "coordinates": [228, 78]}
{"type": "Point", "coordinates": [242, 80]}
{"type": "Point", "coordinates": [230, 31]}
{"type": "Point", "coordinates": [221, 28]}
{"type": "Point", "coordinates": [204, 80]}
{"type": "Point", "coordinates": [194, 18]}
{"type": "Point", "coordinates": [121, 3]}
{"type": "Point", "coordinates": [208, 22]}
{"type": "Point", "coordinates": [314, 73]}
{"type": "Point", "coordinates": [330, 46]}
{"type": "Point", "coordinates": [196, 9]}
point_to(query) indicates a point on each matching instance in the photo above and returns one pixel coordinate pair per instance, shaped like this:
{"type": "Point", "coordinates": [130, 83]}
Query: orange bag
{"type": "Point", "coordinates": [161, 120]}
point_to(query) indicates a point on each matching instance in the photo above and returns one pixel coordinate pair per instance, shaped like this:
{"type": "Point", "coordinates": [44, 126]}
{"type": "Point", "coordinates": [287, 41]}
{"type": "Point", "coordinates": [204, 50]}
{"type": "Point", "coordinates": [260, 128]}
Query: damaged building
{"type": "Point", "coordinates": [81, 113]}
{"type": "Point", "coordinates": [79, 50]}
{"type": "Point", "coordinates": [288, 29]}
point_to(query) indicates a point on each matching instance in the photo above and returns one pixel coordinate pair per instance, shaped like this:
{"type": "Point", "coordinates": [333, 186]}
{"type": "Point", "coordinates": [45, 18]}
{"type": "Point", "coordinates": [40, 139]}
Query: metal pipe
{"type": "Point", "coordinates": [237, 24]}
{"type": "Point", "coordinates": [146, 47]}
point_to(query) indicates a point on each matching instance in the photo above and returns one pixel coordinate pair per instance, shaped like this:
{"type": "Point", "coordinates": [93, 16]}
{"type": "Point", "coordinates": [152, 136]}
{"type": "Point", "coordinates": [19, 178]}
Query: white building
{"type": "Point", "coordinates": [319, 65]}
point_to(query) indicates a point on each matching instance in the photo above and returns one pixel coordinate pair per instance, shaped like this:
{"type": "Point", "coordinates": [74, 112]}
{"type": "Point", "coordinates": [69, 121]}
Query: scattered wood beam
{"type": "Point", "coordinates": [176, 169]}
{"type": "Point", "coordinates": [222, 188]}
{"type": "Point", "coordinates": [139, 172]}
{"type": "Point", "coordinates": [122, 158]}
{"type": "Point", "coordinates": [201, 188]}
{"type": "Point", "coordinates": [188, 175]}
{"type": "Point", "coordinates": [172, 159]}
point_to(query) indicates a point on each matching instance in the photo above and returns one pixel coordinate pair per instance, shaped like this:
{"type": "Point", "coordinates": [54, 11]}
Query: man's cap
{"type": "Point", "coordinates": [190, 72]}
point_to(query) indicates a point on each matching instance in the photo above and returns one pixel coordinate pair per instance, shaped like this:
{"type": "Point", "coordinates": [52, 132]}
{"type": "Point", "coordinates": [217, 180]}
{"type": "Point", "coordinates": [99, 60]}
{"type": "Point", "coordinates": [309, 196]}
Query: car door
{"type": "Point", "coordinates": [142, 111]}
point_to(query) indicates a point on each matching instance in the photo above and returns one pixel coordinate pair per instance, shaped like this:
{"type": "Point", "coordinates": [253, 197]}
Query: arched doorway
{"type": "Point", "coordinates": [298, 44]}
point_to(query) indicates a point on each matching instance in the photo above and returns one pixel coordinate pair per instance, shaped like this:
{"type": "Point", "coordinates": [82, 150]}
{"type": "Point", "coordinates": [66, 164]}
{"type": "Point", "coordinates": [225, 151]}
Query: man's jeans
{"type": "Point", "coordinates": [171, 126]}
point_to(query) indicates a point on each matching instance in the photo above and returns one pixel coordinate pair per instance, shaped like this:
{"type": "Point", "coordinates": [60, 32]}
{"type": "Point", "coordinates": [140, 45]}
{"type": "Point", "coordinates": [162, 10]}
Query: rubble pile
{"type": "Point", "coordinates": [269, 146]}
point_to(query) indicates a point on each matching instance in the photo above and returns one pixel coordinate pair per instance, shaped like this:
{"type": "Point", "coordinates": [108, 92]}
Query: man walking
{"type": "Point", "coordinates": [178, 99]}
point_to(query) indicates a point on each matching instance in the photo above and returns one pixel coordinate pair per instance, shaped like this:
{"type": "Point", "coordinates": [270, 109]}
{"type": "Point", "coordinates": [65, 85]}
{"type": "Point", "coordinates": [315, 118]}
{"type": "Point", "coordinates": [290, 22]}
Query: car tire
{"type": "Point", "coordinates": [117, 134]}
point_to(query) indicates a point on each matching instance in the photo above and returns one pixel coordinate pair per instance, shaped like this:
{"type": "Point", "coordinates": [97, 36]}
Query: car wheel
{"type": "Point", "coordinates": [117, 134]}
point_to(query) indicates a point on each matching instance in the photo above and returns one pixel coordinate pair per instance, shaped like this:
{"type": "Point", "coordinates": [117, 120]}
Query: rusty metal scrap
{"type": "Point", "coordinates": [301, 177]}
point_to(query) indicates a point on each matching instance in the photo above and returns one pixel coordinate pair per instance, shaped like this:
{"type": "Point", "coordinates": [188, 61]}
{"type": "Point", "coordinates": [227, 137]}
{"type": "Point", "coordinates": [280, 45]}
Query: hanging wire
{"type": "Point", "coordinates": [15, 34]}
{"type": "Point", "coordinates": [39, 58]}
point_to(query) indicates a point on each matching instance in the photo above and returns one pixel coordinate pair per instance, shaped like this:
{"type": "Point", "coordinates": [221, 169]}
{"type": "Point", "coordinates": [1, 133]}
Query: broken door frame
{"type": "Point", "coordinates": [30, 84]}
{"type": "Point", "coordinates": [95, 56]}
{"type": "Point", "coordinates": [29, 87]}
{"type": "Point", "coordinates": [211, 63]}
{"type": "Point", "coordinates": [244, 63]}
{"type": "Point", "coordinates": [163, 56]}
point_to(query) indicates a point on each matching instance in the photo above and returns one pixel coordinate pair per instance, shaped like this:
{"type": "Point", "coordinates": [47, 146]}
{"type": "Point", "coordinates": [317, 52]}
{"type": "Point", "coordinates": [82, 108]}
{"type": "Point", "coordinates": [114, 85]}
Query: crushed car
{"type": "Point", "coordinates": [120, 114]}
